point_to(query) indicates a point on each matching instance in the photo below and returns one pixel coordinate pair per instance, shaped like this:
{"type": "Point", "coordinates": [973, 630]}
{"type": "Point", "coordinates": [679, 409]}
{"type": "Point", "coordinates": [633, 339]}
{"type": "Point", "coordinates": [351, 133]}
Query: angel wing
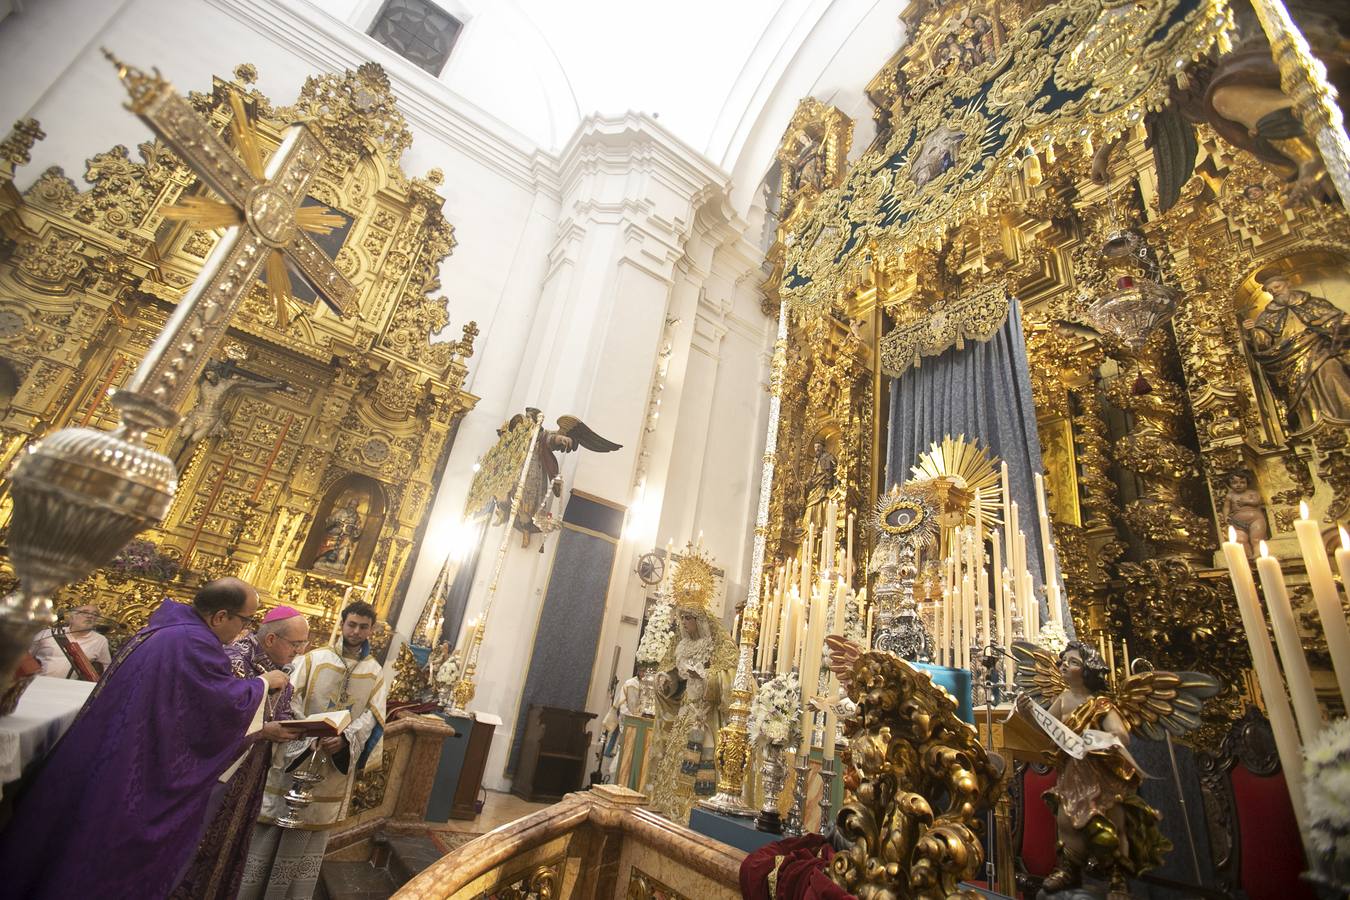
{"type": "Point", "coordinates": [571, 426]}
{"type": "Point", "coordinates": [843, 657]}
{"type": "Point", "coordinates": [1154, 703]}
{"type": "Point", "coordinates": [1037, 672]}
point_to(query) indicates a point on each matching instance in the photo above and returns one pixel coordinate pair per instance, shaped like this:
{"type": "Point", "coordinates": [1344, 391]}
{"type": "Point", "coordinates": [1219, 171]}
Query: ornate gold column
{"type": "Point", "coordinates": [733, 751]}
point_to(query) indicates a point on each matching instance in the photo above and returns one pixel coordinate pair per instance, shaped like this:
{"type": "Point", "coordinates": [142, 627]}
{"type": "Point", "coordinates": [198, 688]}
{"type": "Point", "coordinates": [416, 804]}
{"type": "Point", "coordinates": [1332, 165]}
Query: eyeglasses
{"type": "Point", "coordinates": [243, 620]}
{"type": "Point", "coordinates": [297, 646]}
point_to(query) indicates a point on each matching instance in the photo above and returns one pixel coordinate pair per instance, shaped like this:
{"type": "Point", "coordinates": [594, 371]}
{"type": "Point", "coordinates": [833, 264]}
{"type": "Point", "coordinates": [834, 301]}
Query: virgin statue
{"type": "Point", "coordinates": [1302, 343]}
{"type": "Point", "coordinates": [693, 691]}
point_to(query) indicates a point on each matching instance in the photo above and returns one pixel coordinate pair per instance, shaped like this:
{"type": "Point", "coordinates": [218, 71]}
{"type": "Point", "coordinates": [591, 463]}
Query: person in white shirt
{"type": "Point", "coordinates": [80, 631]}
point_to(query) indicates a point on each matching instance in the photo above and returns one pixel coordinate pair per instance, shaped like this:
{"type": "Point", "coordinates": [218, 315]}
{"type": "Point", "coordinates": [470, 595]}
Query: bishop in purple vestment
{"type": "Point", "coordinates": [120, 802]}
{"type": "Point", "coordinates": [218, 866]}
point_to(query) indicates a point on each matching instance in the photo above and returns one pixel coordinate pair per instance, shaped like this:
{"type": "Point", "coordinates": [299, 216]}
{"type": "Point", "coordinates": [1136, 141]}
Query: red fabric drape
{"type": "Point", "coordinates": [796, 866]}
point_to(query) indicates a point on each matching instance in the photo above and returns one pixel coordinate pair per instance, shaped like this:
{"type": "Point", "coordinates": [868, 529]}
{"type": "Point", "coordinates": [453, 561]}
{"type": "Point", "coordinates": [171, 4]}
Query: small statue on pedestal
{"type": "Point", "coordinates": [1101, 820]}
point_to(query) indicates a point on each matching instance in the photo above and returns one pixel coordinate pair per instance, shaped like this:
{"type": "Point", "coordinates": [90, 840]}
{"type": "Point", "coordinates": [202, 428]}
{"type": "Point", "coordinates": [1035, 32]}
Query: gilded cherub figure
{"type": "Point", "coordinates": [1101, 819]}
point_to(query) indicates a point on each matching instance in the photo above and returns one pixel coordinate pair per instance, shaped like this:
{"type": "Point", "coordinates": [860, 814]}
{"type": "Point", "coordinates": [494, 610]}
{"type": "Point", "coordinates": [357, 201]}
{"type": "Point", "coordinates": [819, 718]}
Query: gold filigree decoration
{"type": "Point", "coordinates": [977, 317]}
{"type": "Point", "coordinates": [971, 468]}
{"type": "Point", "coordinates": [499, 468]}
{"type": "Point", "coordinates": [694, 579]}
{"type": "Point", "coordinates": [911, 753]}
{"type": "Point", "coordinates": [956, 145]}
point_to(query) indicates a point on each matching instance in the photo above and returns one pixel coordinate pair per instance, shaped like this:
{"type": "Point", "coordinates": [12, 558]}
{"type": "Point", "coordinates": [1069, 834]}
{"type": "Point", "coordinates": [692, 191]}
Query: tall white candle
{"type": "Point", "coordinates": [1268, 675]}
{"type": "Point", "coordinates": [848, 549]}
{"type": "Point", "coordinates": [1343, 559]}
{"type": "Point", "coordinates": [1327, 597]}
{"type": "Point", "coordinates": [828, 541]}
{"type": "Point", "coordinates": [1296, 673]}
{"type": "Point", "coordinates": [966, 620]}
{"type": "Point", "coordinates": [1000, 607]}
{"type": "Point", "coordinates": [784, 643]}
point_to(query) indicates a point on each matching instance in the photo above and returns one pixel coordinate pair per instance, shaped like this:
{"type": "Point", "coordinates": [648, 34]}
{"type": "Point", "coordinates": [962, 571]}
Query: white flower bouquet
{"type": "Point", "coordinates": [775, 714]}
{"type": "Point", "coordinates": [1053, 638]}
{"type": "Point", "coordinates": [659, 637]}
{"type": "Point", "coordinates": [1326, 772]}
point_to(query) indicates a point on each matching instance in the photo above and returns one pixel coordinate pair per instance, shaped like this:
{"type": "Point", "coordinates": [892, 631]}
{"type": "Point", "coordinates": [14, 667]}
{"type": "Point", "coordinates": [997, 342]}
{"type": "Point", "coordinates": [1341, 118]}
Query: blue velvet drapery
{"type": "Point", "coordinates": [983, 391]}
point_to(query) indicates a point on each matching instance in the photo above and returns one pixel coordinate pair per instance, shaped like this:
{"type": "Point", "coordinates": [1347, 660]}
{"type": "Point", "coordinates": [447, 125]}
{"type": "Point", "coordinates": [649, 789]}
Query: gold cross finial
{"type": "Point", "coordinates": [267, 226]}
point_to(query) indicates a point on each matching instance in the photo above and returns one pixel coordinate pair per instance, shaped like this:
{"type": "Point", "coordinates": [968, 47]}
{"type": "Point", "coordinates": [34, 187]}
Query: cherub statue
{"type": "Point", "coordinates": [206, 418]}
{"type": "Point", "coordinates": [1100, 817]}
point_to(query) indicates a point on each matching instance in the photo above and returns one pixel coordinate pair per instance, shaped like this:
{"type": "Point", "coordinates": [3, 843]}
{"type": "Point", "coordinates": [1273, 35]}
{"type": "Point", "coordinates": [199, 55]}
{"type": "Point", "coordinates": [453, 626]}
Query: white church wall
{"type": "Point", "coordinates": [570, 263]}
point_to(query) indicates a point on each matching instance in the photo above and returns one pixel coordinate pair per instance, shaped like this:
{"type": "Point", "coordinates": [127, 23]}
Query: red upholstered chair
{"type": "Point", "coordinates": [1033, 826]}
{"type": "Point", "coordinates": [1251, 824]}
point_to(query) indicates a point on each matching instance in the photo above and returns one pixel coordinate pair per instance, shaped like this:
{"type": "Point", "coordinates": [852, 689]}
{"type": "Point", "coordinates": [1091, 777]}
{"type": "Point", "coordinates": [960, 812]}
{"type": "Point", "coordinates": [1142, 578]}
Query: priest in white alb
{"type": "Point", "coordinates": [284, 862]}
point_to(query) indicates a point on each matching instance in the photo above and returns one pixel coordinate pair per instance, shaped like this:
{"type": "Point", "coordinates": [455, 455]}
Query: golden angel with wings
{"type": "Point", "coordinates": [1100, 817]}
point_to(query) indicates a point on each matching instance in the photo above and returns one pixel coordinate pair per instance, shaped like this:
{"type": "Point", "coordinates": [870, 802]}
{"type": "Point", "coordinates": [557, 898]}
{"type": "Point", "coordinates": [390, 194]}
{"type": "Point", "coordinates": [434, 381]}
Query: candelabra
{"type": "Point", "coordinates": [464, 688]}
{"type": "Point", "coordinates": [733, 751]}
{"type": "Point", "coordinates": [797, 813]}
{"type": "Point", "coordinates": [773, 773]}
{"type": "Point", "coordinates": [826, 793]}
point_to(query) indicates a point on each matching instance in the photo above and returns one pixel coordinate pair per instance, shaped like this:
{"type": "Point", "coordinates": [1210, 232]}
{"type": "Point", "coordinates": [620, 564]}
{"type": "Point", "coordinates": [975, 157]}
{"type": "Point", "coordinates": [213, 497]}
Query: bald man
{"type": "Point", "coordinates": [122, 800]}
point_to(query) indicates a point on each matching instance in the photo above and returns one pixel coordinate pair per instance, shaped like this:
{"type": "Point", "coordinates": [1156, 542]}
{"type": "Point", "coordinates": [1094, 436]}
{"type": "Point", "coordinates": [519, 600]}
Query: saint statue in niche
{"type": "Point", "coordinates": [936, 154]}
{"type": "Point", "coordinates": [341, 530]}
{"type": "Point", "coordinates": [1301, 342]}
{"type": "Point", "coordinates": [818, 486]}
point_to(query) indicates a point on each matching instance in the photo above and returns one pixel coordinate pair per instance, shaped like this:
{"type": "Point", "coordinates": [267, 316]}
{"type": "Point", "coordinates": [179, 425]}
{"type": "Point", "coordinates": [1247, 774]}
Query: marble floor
{"type": "Point", "coordinates": [498, 809]}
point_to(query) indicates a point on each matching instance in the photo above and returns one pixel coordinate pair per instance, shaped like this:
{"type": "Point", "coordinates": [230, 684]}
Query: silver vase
{"type": "Point", "coordinates": [773, 775]}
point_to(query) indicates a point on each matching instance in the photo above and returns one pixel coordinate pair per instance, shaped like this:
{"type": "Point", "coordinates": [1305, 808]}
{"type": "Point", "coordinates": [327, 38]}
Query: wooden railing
{"type": "Point", "coordinates": [596, 844]}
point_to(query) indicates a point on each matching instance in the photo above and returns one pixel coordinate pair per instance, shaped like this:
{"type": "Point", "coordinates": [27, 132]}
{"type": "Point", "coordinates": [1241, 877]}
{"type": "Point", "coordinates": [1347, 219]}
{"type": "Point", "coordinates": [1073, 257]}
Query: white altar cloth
{"type": "Point", "coordinates": [45, 711]}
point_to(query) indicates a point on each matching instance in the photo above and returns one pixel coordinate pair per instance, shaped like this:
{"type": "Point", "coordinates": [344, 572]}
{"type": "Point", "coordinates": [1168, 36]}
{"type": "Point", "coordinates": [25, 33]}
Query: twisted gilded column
{"type": "Point", "coordinates": [733, 740]}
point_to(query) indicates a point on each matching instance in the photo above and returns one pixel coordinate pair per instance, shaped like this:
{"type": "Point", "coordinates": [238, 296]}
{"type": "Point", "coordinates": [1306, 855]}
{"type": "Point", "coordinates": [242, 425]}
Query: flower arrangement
{"type": "Point", "coordinates": [659, 636]}
{"type": "Point", "coordinates": [1326, 771]}
{"type": "Point", "coordinates": [1053, 638]}
{"type": "Point", "coordinates": [775, 715]}
{"type": "Point", "coordinates": [143, 558]}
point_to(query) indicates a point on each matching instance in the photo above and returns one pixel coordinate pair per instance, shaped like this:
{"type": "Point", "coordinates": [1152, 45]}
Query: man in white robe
{"type": "Point", "coordinates": [283, 863]}
{"type": "Point", "coordinates": [53, 660]}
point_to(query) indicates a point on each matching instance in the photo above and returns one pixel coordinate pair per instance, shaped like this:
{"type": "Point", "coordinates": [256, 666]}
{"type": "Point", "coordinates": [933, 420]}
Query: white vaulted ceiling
{"type": "Point", "coordinates": [722, 75]}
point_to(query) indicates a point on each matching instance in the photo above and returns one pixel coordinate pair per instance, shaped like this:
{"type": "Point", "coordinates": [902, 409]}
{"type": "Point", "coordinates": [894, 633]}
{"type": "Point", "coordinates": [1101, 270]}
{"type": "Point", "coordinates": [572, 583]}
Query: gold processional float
{"type": "Point", "coordinates": [1043, 153]}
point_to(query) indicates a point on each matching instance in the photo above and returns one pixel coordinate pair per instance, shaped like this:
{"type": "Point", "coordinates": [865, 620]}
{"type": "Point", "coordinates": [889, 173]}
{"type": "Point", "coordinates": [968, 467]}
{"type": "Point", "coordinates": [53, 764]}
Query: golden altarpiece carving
{"type": "Point", "coordinates": [1152, 447]}
{"type": "Point", "coordinates": [310, 448]}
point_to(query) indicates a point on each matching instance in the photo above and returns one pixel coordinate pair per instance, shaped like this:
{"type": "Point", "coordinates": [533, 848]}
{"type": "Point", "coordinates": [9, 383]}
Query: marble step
{"type": "Point", "coordinates": [409, 854]}
{"type": "Point", "coordinates": [355, 881]}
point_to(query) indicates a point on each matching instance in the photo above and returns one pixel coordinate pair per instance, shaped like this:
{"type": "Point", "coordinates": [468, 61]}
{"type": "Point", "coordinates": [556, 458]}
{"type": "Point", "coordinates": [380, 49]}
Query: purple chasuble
{"type": "Point", "coordinates": [119, 804]}
{"type": "Point", "coordinates": [218, 866]}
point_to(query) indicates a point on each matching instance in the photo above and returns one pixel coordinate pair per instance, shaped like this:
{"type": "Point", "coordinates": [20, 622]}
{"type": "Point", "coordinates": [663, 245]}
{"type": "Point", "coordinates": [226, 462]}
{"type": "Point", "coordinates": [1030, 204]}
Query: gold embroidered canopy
{"type": "Point", "coordinates": [979, 95]}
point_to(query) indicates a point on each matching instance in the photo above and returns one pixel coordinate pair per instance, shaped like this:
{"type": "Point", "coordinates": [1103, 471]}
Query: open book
{"type": "Point", "coordinates": [320, 725]}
